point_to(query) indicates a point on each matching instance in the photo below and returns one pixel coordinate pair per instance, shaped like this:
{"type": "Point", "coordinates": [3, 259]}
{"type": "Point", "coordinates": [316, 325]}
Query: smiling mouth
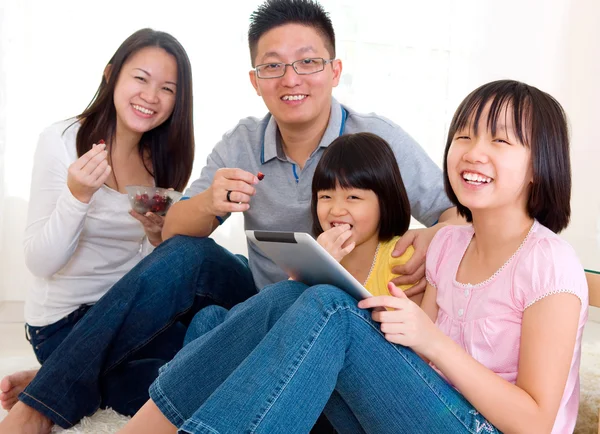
{"type": "Point", "coordinates": [294, 97]}
{"type": "Point", "coordinates": [476, 178]}
{"type": "Point", "coordinates": [143, 110]}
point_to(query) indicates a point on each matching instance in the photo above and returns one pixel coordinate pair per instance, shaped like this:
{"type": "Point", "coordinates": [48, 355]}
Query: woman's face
{"type": "Point", "coordinates": [145, 91]}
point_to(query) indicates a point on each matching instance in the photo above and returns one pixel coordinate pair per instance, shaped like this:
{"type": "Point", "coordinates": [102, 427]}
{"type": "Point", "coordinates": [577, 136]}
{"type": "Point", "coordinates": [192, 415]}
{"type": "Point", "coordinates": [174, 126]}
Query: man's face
{"type": "Point", "coordinates": [295, 100]}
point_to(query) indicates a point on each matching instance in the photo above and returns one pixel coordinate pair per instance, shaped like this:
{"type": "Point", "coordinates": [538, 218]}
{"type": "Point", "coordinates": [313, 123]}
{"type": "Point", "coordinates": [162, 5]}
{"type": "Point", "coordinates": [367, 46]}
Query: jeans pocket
{"type": "Point", "coordinates": [45, 339]}
{"type": "Point", "coordinates": [38, 337]}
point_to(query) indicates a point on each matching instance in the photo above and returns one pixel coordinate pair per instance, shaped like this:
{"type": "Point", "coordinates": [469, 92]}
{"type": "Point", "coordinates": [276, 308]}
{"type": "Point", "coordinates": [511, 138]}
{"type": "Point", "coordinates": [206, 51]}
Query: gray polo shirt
{"type": "Point", "coordinates": [282, 200]}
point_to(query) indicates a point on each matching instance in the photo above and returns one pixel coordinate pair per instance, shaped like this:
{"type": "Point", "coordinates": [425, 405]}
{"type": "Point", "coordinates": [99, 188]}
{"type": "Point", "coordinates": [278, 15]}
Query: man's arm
{"type": "Point", "coordinates": [190, 217]}
{"type": "Point", "coordinates": [198, 216]}
{"type": "Point", "coordinates": [414, 270]}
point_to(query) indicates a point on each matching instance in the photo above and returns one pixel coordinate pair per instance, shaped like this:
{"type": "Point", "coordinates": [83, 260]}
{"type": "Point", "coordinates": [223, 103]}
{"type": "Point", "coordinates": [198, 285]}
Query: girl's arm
{"type": "Point", "coordinates": [549, 330]}
{"type": "Point", "coordinates": [429, 303]}
{"type": "Point", "coordinates": [548, 335]}
{"type": "Point", "coordinates": [55, 217]}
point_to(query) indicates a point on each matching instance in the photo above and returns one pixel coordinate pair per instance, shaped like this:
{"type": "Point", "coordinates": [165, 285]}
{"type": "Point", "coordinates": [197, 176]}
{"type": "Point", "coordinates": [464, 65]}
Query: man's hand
{"type": "Point", "coordinates": [231, 191]}
{"type": "Point", "coordinates": [413, 272]}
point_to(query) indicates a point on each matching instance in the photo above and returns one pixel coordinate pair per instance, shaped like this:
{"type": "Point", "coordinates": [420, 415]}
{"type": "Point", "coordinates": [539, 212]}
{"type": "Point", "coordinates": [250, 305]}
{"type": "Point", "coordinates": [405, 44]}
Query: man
{"type": "Point", "coordinates": [292, 47]}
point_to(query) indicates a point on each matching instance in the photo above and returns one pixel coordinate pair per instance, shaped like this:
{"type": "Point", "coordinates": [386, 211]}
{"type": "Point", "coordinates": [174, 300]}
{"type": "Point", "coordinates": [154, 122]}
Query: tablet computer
{"type": "Point", "coordinates": [303, 259]}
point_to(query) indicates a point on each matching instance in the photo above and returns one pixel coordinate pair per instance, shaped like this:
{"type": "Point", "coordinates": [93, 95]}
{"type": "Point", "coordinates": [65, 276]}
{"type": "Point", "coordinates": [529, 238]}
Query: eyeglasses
{"type": "Point", "coordinates": [308, 66]}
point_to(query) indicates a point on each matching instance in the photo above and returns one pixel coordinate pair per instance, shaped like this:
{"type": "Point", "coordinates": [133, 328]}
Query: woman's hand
{"type": "Point", "coordinates": [87, 174]}
{"type": "Point", "coordinates": [406, 324]}
{"type": "Point", "coordinates": [152, 225]}
{"type": "Point", "coordinates": [333, 240]}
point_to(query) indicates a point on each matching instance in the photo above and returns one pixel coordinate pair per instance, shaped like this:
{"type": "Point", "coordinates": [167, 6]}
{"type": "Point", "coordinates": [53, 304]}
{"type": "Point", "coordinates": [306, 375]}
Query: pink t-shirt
{"type": "Point", "coordinates": [485, 318]}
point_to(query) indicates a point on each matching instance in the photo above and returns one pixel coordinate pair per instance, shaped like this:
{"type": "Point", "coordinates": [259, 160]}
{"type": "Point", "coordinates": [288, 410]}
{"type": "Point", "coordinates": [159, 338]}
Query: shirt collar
{"type": "Point", "coordinates": [272, 144]}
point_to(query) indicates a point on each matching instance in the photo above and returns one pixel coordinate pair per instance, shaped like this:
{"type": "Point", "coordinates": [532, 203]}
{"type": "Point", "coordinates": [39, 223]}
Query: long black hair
{"type": "Point", "coordinates": [169, 145]}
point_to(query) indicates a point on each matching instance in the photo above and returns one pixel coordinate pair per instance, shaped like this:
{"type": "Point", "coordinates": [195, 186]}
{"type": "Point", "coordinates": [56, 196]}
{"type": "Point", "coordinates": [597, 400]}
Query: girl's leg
{"type": "Point", "coordinates": [324, 342]}
{"type": "Point", "coordinates": [204, 321]}
{"type": "Point", "coordinates": [202, 365]}
{"type": "Point", "coordinates": [341, 416]}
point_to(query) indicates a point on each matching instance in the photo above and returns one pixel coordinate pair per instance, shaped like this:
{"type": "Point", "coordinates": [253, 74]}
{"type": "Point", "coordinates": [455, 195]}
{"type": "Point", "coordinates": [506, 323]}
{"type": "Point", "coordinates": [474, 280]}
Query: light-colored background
{"type": "Point", "coordinates": [410, 61]}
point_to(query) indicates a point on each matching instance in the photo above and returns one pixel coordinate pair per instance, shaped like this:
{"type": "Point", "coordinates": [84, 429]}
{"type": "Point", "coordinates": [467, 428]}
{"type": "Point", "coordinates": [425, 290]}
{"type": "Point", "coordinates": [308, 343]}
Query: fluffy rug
{"type": "Point", "coordinates": [108, 421]}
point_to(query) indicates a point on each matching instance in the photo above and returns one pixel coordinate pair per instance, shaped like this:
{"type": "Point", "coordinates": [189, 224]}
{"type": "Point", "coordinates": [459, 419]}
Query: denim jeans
{"type": "Point", "coordinates": [45, 339]}
{"type": "Point", "coordinates": [120, 389]}
{"type": "Point", "coordinates": [281, 357]}
{"type": "Point", "coordinates": [113, 347]}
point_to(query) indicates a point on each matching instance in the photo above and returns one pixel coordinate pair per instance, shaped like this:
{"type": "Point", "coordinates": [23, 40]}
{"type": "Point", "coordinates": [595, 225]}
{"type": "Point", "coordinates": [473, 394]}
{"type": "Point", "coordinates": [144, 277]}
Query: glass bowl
{"type": "Point", "coordinates": [145, 199]}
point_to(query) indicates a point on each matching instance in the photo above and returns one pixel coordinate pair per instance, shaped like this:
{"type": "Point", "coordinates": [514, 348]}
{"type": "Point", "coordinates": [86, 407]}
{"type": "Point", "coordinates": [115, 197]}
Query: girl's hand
{"type": "Point", "coordinates": [333, 241]}
{"type": "Point", "coordinates": [407, 324]}
{"type": "Point", "coordinates": [88, 173]}
{"type": "Point", "coordinates": [152, 225]}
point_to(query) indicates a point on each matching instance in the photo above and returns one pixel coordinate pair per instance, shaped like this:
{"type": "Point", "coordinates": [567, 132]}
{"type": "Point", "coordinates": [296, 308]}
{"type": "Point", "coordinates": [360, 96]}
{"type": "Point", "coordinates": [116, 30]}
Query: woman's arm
{"type": "Point", "coordinates": [55, 217]}
{"type": "Point", "coordinates": [549, 331]}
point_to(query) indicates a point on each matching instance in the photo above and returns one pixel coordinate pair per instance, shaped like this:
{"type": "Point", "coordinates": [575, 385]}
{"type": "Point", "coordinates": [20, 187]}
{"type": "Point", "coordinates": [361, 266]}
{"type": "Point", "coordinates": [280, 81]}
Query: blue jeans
{"type": "Point", "coordinates": [115, 348]}
{"type": "Point", "coordinates": [289, 352]}
{"type": "Point", "coordinates": [125, 388]}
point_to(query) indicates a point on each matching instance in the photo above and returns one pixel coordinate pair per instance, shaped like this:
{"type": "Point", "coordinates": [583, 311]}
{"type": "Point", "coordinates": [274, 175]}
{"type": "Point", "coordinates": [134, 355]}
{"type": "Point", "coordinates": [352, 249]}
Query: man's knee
{"type": "Point", "coordinates": [187, 246]}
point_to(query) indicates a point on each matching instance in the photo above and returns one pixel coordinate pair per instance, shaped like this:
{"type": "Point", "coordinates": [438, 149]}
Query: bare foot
{"type": "Point", "coordinates": [25, 420]}
{"type": "Point", "coordinates": [12, 385]}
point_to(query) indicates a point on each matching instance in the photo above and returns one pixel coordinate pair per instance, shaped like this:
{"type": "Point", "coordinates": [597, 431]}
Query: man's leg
{"type": "Point", "coordinates": [125, 388]}
{"type": "Point", "coordinates": [181, 276]}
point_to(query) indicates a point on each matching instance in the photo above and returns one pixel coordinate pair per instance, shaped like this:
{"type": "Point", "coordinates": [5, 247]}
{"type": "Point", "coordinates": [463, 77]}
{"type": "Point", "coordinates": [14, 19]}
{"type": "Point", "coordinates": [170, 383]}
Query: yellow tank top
{"type": "Point", "coordinates": [381, 272]}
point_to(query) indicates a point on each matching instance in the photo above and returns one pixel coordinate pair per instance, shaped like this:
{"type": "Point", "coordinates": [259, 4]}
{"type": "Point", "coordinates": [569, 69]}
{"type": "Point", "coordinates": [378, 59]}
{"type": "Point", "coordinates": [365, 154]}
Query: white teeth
{"type": "Point", "coordinates": [293, 97]}
{"type": "Point", "coordinates": [336, 224]}
{"type": "Point", "coordinates": [475, 177]}
{"type": "Point", "coordinates": [143, 109]}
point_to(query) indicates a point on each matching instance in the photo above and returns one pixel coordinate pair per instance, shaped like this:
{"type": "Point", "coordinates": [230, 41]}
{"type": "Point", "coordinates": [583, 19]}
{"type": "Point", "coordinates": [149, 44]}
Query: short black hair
{"type": "Point", "coordinates": [540, 123]}
{"type": "Point", "coordinates": [364, 161]}
{"type": "Point", "coordinates": [275, 13]}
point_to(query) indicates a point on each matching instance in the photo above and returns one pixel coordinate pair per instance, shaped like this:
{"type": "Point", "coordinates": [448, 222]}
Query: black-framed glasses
{"type": "Point", "coordinates": [311, 65]}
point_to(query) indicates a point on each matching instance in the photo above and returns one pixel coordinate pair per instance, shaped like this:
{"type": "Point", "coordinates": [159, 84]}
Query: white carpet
{"type": "Point", "coordinates": [108, 421]}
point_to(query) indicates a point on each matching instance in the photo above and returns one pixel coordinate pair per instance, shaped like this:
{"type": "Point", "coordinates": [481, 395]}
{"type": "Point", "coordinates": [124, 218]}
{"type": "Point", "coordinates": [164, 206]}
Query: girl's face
{"type": "Point", "coordinates": [489, 171]}
{"type": "Point", "coordinates": [145, 90]}
{"type": "Point", "coordinates": [356, 207]}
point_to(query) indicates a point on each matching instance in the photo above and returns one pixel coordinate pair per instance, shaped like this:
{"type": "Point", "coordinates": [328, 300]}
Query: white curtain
{"type": "Point", "coordinates": [410, 61]}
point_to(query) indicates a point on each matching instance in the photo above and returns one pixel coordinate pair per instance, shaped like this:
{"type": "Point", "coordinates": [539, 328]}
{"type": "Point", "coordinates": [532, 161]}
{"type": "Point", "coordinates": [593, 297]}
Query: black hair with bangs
{"type": "Point", "coordinates": [540, 124]}
{"type": "Point", "coordinates": [364, 161]}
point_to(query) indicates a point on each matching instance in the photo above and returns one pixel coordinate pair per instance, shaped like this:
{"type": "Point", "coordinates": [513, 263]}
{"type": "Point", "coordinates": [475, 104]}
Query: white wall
{"type": "Point", "coordinates": [580, 93]}
{"type": "Point", "coordinates": [410, 61]}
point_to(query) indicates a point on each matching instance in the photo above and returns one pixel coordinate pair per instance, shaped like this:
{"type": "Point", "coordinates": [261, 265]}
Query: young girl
{"type": "Point", "coordinates": [495, 345]}
{"type": "Point", "coordinates": [360, 208]}
{"type": "Point", "coordinates": [82, 235]}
